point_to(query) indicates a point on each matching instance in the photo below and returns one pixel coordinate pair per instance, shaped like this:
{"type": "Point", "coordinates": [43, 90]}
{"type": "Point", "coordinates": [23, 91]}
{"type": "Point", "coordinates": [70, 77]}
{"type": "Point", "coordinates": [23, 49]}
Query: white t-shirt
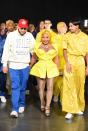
{"type": "Point", "coordinates": [17, 50]}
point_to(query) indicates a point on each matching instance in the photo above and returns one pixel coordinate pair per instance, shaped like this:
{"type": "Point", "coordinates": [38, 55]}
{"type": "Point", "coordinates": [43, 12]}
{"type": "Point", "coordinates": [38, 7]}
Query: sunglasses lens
{"type": "Point", "coordinates": [23, 29]}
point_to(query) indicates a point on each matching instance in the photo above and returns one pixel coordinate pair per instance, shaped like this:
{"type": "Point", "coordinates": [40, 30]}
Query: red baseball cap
{"type": "Point", "coordinates": [23, 23]}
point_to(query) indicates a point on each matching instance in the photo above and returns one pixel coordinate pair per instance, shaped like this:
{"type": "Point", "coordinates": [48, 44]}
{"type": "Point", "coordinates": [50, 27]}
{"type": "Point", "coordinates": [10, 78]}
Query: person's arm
{"type": "Point", "coordinates": [87, 63]}
{"type": "Point", "coordinates": [65, 47]}
{"type": "Point", "coordinates": [68, 66]}
{"type": "Point", "coordinates": [5, 55]}
{"type": "Point", "coordinates": [56, 60]}
{"type": "Point", "coordinates": [32, 42]}
{"type": "Point", "coordinates": [33, 60]}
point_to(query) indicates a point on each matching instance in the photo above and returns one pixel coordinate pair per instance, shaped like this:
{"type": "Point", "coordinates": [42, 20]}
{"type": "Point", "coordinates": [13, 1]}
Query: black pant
{"type": "Point", "coordinates": [3, 90]}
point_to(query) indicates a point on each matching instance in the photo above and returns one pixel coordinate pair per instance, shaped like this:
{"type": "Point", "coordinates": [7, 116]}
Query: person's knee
{"type": "Point", "coordinates": [50, 88]}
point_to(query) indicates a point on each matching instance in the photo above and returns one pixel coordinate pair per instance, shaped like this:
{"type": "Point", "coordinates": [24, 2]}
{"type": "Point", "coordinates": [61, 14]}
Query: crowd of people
{"type": "Point", "coordinates": [56, 58]}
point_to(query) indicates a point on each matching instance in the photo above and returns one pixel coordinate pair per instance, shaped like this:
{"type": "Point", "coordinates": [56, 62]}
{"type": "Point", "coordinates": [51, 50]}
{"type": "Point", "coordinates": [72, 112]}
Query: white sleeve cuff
{"type": "Point", "coordinates": [5, 64]}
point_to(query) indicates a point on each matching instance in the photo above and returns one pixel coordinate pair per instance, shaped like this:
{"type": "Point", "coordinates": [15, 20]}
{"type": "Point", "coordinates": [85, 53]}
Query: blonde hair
{"type": "Point", "coordinates": [59, 24]}
{"type": "Point", "coordinates": [46, 32]}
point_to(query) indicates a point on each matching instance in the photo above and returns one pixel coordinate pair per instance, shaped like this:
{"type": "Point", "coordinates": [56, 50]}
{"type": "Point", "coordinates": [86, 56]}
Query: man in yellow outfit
{"type": "Point", "coordinates": [62, 29]}
{"type": "Point", "coordinates": [75, 45]}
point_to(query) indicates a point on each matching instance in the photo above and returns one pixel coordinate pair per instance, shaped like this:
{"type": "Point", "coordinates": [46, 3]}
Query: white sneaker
{"type": "Point", "coordinates": [55, 98]}
{"type": "Point", "coordinates": [21, 109]}
{"type": "Point", "coordinates": [80, 113]}
{"type": "Point", "coordinates": [69, 116]}
{"type": "Point", "coordinates": [14, 114]}
{"type": "Point", "coordinates": [3, 99]}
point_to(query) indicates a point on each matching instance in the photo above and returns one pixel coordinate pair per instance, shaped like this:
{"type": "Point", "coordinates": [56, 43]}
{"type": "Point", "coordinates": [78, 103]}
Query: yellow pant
{"type": "Point", "coordinates": [58, 86]}
{"type": "Point", "coordinates": [73, 87]}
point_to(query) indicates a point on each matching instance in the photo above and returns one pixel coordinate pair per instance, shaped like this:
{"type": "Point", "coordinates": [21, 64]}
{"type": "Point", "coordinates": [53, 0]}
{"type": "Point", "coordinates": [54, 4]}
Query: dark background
{"type": "Point", "coordinates": [35, 10]}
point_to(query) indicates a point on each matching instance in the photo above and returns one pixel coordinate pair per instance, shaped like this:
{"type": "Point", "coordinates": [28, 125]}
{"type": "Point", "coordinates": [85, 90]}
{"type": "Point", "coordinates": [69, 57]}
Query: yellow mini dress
{"type": "Point", "coordinates": [45, 67]}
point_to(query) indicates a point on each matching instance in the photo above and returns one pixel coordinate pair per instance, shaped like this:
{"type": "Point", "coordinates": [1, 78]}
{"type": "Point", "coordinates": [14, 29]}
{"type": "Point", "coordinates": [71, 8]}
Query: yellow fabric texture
{"type": "Point", "coordinates": [58, 83]}
{"type": "Point", "coordinates": [73, 83]}
{"type": "Point", "coordinates": [45, 67]}
{"type": "Point", "coordinates": [76, 44]}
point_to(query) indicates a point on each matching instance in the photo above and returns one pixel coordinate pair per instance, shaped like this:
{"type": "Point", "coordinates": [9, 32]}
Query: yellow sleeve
{"type": "Point", "coordinates": [36, 46]}
{"type": "Point", "coordinates": [87, 44]}
{"type": "Point", "coordinates": [56, 47]}
{"type": "Point", "coordinates": [38, 37]}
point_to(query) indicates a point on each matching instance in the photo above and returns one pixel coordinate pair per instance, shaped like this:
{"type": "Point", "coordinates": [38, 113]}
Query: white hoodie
{"type": "Point", "coordinates": [17, 50]}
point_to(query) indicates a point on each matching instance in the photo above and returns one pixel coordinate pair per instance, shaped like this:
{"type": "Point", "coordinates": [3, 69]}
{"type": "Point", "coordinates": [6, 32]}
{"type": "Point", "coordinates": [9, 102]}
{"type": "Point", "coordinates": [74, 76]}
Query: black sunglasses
{"type": "Point", "coordinates": [23, 28]}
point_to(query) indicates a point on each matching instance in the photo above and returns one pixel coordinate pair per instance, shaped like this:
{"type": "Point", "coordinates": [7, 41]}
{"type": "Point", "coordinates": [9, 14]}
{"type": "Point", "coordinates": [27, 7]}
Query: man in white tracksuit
{"type": "Point", "coordinates": [18, 46]}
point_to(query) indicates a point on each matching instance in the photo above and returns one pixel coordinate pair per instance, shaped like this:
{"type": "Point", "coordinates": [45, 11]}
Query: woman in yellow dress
{"type": "Point", "coordinates": [75, 46]}
{"type": "Point", "coordinates": [58, 83]}
{"type": "Point", "coordinates": [46, 69]}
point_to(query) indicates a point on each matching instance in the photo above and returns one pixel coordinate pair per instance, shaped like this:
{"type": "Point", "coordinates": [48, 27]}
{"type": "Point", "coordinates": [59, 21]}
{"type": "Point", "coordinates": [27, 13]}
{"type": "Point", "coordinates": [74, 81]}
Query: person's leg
{"type": "Point", "coordinates": [72, 90]}
{"type": "Point", "coordinates": [80, 89]}
{"type": "Point", "coordinates": [8, 83]}
{"type": "Point", "coordinates": [24, 74]}
{"type": "Point", "coordinates": [77, 93]}
{"type": "Point", "coordinates": [49, 94]}
{"type": "Point", "coordinates": [69, 98]}
{"type": "Point", "coordinates": [56, 90]}
{"type": "Point", "coordinates": [41, 85]}
{"type": "Point", "coordinates": [15, 85]}
{"type": "Point", "coordinates": [3, 90]}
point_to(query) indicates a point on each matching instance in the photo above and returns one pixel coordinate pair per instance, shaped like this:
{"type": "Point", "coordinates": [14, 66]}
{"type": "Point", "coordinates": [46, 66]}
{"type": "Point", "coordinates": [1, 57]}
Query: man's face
{"type": "Point", "coordinates": [62, 28]}
{"type": "Point", "coordinates": [3, 26]}
{"type": "Point", "coordinates": [22, 31]}
{"type": "Point", "coordinates": [10, 27]}
{"type": "Point", "coordinates": [73, 28]}
{"type": "Point", "coordinates": [31, 27]}
{"type": "Point", "coordinates": [48, 24]}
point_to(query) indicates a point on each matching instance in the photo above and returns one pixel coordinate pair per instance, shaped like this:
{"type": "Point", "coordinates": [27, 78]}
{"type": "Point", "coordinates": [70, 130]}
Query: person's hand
{"type": "Point", "coordinates": [5, 69]}
{"type": "Point", "coordinates": [86, 72]}
{"type": "Point", "coordinates": [68, 68]}
{"type": "Point", "coordinates": [30, 65]}
{"type": "Point", "coordinates": [2, 32]}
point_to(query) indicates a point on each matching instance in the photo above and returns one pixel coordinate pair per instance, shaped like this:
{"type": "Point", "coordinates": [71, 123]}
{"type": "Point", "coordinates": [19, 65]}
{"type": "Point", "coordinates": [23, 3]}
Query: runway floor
{"type": "Point", "coordinates": [34, 120]}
